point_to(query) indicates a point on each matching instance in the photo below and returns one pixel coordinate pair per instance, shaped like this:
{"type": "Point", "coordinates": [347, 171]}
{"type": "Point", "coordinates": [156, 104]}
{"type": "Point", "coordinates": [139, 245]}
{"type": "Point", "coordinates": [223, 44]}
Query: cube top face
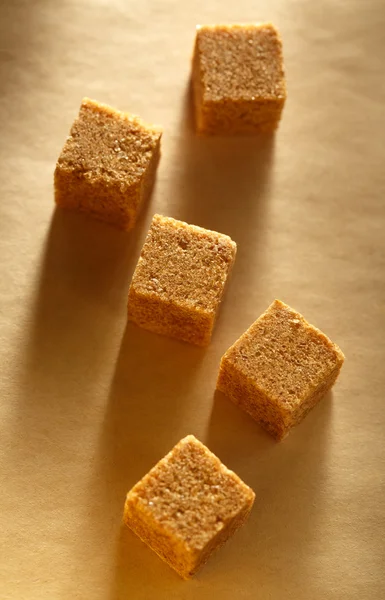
{"type": "Point", "coordinates": [284, 356]}
{"type": "Point", "coordinates": [191, 494]}
{"type": "Point", "coordinates": [107, 144]}
{"type": "Point", "coordinates": [184, 264]}
{"type": "Point", "coordinates": [240, 63]}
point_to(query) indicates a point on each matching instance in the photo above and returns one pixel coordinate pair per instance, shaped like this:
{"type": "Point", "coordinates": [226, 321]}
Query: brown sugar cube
{"type": "Point", "coordinates": [179, 280]}
{"type": "Point", "coordinates": [279, 369]}
{"type": "Point", "coordinates": [238, 79]}
{"type": "Point", "coordinates": [108, 164]}
{"type": "Point", "coordinates": [188, 505]}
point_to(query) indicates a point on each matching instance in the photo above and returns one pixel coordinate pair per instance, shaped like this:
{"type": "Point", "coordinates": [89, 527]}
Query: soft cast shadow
{"type": "Point", "coordinates": [222, 183]}
{"type": "Point", "coordinates": [64, 362]}
{"type": "Point", "coordinates": [149, 395]}
{"type": "Point", "coordinates": [231, 433]}
{"type": "Point", "coordinates": [79, 301]}
{"type": "Point", "coordinates": [288, 479]}
{"type": "Point", "coordinates": [225, 184]}
{"type": "Point", "coordinates": [290, 482]}
{"type": "Point", "coordinates": [144, 419]}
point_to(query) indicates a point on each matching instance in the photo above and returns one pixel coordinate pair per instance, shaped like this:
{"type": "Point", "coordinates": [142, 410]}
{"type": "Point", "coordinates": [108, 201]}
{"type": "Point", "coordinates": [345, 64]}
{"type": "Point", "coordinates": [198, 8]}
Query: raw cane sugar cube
{"type": "Point", "coordinates": [279, 369]}
{"type": "Point", "coordinates": [180, 279]}
{"type": "Point", "coordinates": [238, 79]}
{"type": "Point", "coordinates": [187, 506]}
{"type": "Point", "coordinates": [108, 164]}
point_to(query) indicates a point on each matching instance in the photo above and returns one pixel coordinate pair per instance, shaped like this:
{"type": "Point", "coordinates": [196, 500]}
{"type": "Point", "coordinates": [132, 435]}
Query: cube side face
{"type": "Point", "coordinates": [97, 198]}
{"type": "Point", "coordinates": [197, 90]}
{"type": "Point", "coordinates": [169, 548]}
{"type": "Point", "coordinates": [179, 281]}
{"type": "Point", "coordinates": [147, 181]}
{"type": "Point", "coordinates": [107, 165]}
{"type": "Point", "coordinates": [187, 506]}
{"type": "Point", "coordinates": [240, 390]}
{"type": "Point", "coordinates": [276, 420]}
{"type": "Point", "coordinates": [173, 550]}
{"type": "Point", "coordinates": [167, 318]}
{"type": "Point", "coordinates": [239, 117]}
{"type": "Point", "coordinates": [229, 529]}
{"type": "Point", "coordinates": [238, 79]}
{"type": "Point", "coordinates": [314, 398]}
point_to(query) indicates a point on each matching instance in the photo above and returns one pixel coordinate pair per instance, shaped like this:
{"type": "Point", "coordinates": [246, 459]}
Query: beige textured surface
{"type": "Point", "coordinates": [279, 369]}
{"type": "Point", "coordinates": [88, 405]}
{"type": "Point", "coordinates": [180, 279]}
{"type": "Point", "coordinates": [187, 506]}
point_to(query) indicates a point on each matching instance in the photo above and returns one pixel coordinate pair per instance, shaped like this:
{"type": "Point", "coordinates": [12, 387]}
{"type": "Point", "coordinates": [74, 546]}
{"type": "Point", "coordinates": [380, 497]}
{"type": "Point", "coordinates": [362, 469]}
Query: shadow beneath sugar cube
{"type": "Point", "coordinates": [67, 345]}
{"type": "Point", "coordinates": [140, 573]}
{"type": "Point", "coordinates": [150, 391]}
{"type": "Point", "coordinates": [80, 291]}
{"type": "Point", "coordinates": [231, 433]}
{"type": "Point", "coordinates": [188, 115]}
{"type": "Point", "coordinates": [290, 480]}
{"type": "Point", "coordinates": [222, 180]}
{"type": "Point", "coordinates": [224, 184]}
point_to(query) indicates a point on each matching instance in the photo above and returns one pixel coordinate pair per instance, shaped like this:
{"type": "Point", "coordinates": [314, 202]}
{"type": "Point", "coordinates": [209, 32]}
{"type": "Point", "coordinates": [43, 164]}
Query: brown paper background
{"type": "Point", "coordinates": [88, 405]}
